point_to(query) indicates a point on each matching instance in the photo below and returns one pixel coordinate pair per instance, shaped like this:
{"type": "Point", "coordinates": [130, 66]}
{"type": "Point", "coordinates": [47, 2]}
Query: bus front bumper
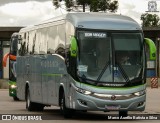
{"type": "Point", "coordinates": [88, 102]}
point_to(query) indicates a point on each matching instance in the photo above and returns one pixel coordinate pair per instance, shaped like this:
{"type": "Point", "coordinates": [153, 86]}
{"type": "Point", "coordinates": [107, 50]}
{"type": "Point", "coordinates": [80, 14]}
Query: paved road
{"type": "Point", "coordinates": [8, 106]}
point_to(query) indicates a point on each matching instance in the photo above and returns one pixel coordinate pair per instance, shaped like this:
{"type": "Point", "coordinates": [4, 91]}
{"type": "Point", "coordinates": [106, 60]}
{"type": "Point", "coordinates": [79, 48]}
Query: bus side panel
{"type": "Point", "coordinates": [48, 80]}
{"type": "Point", "coordinates": [44, 79]}
{"type": "Point", "coordinates": [35, 78]}
{"type": "Point", "coordinates": [38, 78]}
{"type": "Point", "coordinates": [20, 78]}
{"type": "Point", "coordinates": [54, 70]}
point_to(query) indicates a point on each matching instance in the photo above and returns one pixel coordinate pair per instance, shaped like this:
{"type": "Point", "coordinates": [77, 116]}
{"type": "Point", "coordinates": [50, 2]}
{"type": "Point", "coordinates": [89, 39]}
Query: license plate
{"type": "Point", "coordinates": [112, 107]}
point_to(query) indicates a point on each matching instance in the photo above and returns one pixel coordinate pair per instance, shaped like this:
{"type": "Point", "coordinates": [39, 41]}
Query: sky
{"type": "Point", "coordinates": [29, 12]}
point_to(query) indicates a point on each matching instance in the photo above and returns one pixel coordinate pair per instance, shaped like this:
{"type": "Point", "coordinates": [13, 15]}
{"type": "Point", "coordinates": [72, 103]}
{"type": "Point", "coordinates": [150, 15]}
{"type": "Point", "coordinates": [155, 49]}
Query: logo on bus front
{"type": "Point", "coordinates": [113, 97]}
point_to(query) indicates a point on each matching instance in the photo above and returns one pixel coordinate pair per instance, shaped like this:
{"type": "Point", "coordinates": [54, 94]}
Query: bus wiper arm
{"type": "Point", "coordinates": [102, 72]}
{"type": "Point", "coordinates": [123, 72]}
{"type": "Point", "coordinates": [104, 69]}
{"type": "Point", "coordinates": [84, 79]}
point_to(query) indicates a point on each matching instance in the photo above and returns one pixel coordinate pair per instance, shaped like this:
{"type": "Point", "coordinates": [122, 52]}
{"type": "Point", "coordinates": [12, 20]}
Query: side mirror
{"type": "Point", "coordinates": [73, 47]}
{"type": "Point", "coordinates": [152, 48]}
{"type": "Point", "coordinates": [71, 63]}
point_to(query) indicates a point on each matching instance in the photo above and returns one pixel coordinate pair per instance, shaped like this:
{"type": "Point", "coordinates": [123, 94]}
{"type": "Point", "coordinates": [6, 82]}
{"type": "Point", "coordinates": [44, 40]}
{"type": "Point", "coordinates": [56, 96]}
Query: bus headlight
{"type": "Point", "coordinates": [140, 93]}
{"type": "Point", "coordinates": [82, 91]}
{"type": "Point", "coordinates": [13, 86]}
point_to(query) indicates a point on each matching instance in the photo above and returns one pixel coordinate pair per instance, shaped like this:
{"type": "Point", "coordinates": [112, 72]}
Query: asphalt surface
{"type": "Point", "coordinates": [52, 114]}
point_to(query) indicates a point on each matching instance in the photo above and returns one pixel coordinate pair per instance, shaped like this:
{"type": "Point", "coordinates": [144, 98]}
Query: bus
{"type": "Point", "coordinates": [84, 61]}
{"type": "Point", "coordinates": [12, 65]}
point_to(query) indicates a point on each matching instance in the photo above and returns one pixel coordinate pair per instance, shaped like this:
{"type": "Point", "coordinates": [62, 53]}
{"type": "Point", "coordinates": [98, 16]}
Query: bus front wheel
{"type": "Point", "coordinates": [67, 113]}
{"type": "Point", "coordinates": [32, 106]}
{"type": "Point", "coordinates": [123, 113]}
{"type": "Point", "coordinates": [29, 105]}
{"type": "Point", "coordinates": [15, 98]}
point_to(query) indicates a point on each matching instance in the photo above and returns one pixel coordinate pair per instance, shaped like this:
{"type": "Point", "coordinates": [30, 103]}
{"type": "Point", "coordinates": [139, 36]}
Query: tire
{"type": "Point", "coordinates": [15, 98]}
{"type": "Point", "coordinates": [123, 113]}
{"type": "Point", "coordinates": [30, 106]}
{"type": "Point", "coordinates": [39, 107]}
{"type": "Point", "coordinates": [67, 113]}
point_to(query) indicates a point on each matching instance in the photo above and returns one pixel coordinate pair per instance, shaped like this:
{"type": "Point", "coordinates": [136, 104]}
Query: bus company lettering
{"type": "Point", "coordinates": [49, 64]}
{"type": "Point", "coordinates": [88, 34]}
{"type": "Point", "coordinates": [95, 35]}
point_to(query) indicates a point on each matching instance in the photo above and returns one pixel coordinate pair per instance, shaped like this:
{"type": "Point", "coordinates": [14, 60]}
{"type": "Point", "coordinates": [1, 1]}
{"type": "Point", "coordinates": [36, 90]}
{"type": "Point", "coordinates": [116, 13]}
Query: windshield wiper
{"type": "Point", "coordinates": [123, 72]}
{"type": "Point", "coordinates": [104, 69]}
{"type": "Point", "coordinates": [139, 78]}
{"type": "Point", "coordinates": [83, 77]}
{"type": "Point", "coordinates": [86, 80]}
{"type": "Point", "coordinates": [102, 72]}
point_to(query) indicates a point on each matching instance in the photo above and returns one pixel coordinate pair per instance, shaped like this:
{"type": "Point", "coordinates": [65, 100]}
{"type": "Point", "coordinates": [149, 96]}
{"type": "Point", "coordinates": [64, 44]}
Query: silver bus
{"type": "Point", "coordinates": [84, 61]}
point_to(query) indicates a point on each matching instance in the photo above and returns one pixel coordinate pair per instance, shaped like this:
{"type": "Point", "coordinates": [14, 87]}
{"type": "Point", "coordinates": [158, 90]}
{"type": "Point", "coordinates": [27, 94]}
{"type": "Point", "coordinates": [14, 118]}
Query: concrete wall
{"type": "Point", "coordinates": [6, 69]}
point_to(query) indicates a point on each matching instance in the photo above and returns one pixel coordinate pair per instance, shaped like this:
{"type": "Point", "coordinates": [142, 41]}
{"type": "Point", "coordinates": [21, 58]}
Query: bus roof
{"type": "Point", "coordinates": [103, 21]}
{"type": "Point", "coordinates": [15, 35]}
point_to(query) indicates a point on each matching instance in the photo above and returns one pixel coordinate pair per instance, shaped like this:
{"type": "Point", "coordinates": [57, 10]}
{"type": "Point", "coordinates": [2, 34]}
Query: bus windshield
{"type": "Point", "coordinates": [128, 55]}
{"type": "Point", "coordinates": [13, 46]}
{"type": "Point", "coordinates": [109, 57]}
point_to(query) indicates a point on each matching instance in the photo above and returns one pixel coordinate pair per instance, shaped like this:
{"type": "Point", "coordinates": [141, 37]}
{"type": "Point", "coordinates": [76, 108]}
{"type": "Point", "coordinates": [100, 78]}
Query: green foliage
{"type": "Point", "coordinates": [150, 20]}
{"type": "Point", "coordinates": [56, 3]}
{"type": "Point", "coordinates": [113, 6]}
{"type": "Point", "coordinates": [94, 5]}
{"type": "Point", "coordinates": [69, 3]}
{"type": "Point", "coordinates": [84, 3]}
{"type": "Point", "coordinates": [103, 5]}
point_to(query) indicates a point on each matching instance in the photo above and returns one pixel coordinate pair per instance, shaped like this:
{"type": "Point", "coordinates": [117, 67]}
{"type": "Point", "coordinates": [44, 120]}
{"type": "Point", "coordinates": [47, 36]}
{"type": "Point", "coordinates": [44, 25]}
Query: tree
{"type": "Point", "coordinates": [69, 3]}
{"type": "Point", "coordinates": [94, 5]}
{"type": "Point", "coordinates": [150, 20]}
{"type": "Point", "coordinates": [103, 5]}
{"type": "Point", "coordinates": [56, 3]}
{"type": "Point", "coordinates": [84, 3]}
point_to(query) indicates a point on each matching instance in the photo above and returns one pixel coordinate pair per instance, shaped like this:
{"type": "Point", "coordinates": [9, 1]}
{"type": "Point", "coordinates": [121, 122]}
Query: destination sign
{"type": "Point", "coordinates": [95, 35]}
